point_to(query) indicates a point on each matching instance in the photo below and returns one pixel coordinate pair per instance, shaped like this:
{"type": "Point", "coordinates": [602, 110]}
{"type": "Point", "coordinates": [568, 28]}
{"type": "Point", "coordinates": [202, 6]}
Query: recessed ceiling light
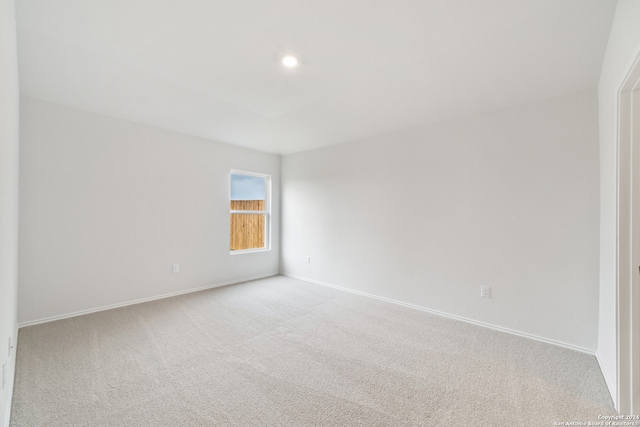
{"type": "Point", "coordinates": [290, 61]}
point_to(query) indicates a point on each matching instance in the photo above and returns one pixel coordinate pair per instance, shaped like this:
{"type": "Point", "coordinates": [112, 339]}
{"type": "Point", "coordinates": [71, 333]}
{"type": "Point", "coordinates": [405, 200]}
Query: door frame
{"type": "Point", "coordinates": [628, 244]}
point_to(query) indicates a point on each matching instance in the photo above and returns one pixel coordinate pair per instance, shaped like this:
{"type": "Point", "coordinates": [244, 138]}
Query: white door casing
{"type": "Point", "coordinates": [628, 244]}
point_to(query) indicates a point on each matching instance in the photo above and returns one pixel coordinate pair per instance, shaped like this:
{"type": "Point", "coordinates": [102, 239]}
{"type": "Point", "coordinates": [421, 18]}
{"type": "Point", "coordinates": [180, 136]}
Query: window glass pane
{"type": "Point", "coordinates": [247, 231]}
{"type": "Point", "coordinates": [248, 193]}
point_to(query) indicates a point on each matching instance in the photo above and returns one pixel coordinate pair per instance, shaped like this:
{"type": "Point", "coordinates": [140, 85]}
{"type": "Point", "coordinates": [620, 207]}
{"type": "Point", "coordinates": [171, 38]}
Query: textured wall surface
{"type": "Point", "coordinates": [507, 199]}
{"type": "Point", "coordinates": [9, 126]}
{"type": "Point", "coordinates": [108, 206]}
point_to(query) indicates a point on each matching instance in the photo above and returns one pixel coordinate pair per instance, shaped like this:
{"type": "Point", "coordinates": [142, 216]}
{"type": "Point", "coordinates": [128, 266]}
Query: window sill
{"type": "Point", "coordinates": [249, 251]}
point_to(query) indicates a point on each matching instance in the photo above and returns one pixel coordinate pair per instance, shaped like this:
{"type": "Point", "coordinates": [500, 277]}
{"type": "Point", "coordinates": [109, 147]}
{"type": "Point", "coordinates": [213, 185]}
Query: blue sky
{"type": "Point", "coordinates": [247, 187]}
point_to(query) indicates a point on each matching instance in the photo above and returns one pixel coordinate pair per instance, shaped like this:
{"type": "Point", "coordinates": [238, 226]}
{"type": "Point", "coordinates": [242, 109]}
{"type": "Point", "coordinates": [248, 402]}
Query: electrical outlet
{"type": "Point", "coordinates": [176, 268]}
{"type": "Point", "coordinates": [485, 291]}
{"type": "Point", "coordinates": [308, 259]}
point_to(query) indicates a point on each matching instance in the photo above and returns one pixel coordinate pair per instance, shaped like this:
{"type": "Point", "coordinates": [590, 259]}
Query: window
{"type": "Point", "coordinates": [250, 208]}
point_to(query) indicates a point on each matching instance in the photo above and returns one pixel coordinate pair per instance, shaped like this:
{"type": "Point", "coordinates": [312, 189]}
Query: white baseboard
{"type": "Point", "coordinates": [10, 381]}
{"type": "Point", "coordinates": [141, 300]}
{"type": "Point", "coordinates": [451, 316]}
{"type": "Point", "coordinates": [608, 381]}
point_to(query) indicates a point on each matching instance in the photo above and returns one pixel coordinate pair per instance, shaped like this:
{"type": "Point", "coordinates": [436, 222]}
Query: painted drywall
{"type": "Point", "coordinates": [507, 199]}
{"type": "Point", "coordinates": [107, 206]}
{"type": "Point", "coordinates": [9, 143]}
{"type": "Point", "coordinates": [623, 48]}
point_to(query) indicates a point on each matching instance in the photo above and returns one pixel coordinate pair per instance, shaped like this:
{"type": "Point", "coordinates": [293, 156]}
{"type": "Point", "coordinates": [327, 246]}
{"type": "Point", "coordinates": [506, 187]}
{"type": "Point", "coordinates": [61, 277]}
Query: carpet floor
{"type": "Point", "coordinates": [284, 352]}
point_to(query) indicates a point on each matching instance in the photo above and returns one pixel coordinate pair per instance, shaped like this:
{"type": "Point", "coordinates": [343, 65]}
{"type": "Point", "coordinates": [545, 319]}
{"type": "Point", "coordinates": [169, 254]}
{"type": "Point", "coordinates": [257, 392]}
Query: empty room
{"type": "Point", "coordinates": [336, 213]}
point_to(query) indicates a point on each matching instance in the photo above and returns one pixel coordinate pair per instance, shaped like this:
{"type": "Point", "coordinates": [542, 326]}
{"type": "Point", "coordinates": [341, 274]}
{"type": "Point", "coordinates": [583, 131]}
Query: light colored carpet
{"type": "Point", "coordinates": [283, 352]}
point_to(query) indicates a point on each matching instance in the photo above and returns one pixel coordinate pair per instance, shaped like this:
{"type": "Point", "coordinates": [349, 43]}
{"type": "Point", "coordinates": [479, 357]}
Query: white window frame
{"type": "Point", "coordinates": [266, 212]}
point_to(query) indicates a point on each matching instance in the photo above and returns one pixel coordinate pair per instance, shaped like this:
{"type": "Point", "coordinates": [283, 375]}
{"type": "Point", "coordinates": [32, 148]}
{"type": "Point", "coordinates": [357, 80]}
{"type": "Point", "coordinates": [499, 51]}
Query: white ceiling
{"type": "Point", "coordinates": [210, 68]}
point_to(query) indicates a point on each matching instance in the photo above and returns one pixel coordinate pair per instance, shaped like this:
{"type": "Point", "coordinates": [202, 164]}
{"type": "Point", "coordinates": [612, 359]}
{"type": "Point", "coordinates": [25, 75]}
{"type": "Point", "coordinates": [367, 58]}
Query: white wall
{"type": "Point", "coordinates": [623, 48]}
{"type": "Point", "coordinates": [507, 199]}
{"type": "Point", "coordinates": [107, 206]}
{"type": "Point", "coordinates": [8, 199]}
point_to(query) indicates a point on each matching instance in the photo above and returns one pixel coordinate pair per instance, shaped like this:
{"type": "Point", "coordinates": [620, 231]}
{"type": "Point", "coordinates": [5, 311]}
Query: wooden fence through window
{"type": "Point", "coordinates": [247, 230]}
